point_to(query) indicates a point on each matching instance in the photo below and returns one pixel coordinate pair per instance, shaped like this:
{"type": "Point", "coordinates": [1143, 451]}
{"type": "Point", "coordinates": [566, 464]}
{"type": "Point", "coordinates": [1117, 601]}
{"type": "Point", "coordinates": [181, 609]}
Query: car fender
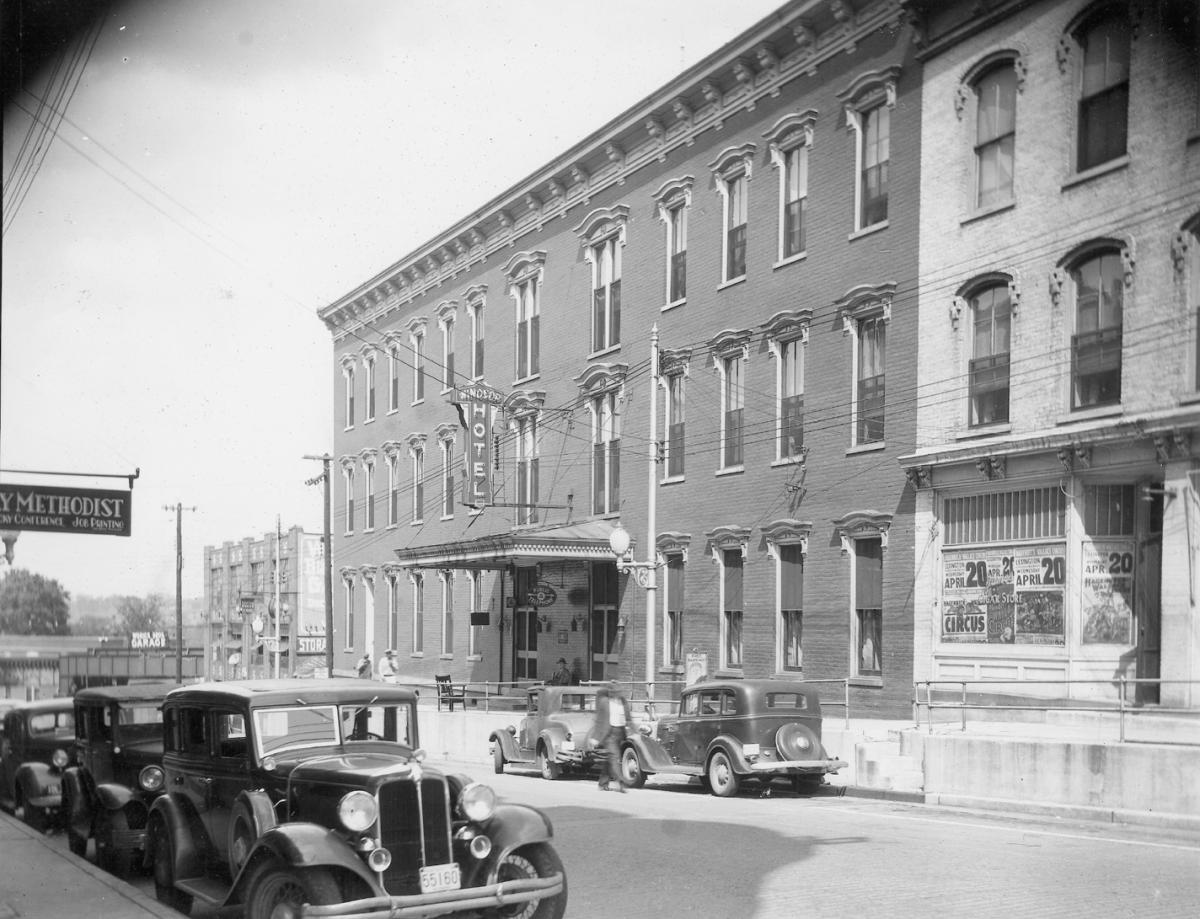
{"type": "Point", "coordinates": [77, 787]}
{"type": "Point", "coordinates": [302, 845]}
{"type": "Point", "coordinates": [553, 736]}
{"type": "Point", "coordinates": [510, 827]}
{"type": "Point", "coordinates": [508, 743]}
{"type": "Point", "coordinates": [652, 755]}
{"type": "Point", "coordinates": [732, 747]}
{"type": "Point", "coordinates": [35, 779]}
{"type": "Point", "coordinates": [112, 796]}
{"type": "Point", "coordinates": [182, 826]}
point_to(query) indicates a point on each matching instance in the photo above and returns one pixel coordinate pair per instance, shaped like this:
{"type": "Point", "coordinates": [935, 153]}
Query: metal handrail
{"type": "Point", "coordinates": [962, 705]}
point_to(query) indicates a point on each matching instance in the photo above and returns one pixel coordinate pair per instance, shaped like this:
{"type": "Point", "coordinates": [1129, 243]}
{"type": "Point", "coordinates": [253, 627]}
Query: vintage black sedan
{"type": "Point", "coordinates": [282, 793]}
{"type": "Point", "coordinates": [728, 731]}
{"type": "Point", "coordinates": [117, 773]}
{"type": "Point", "coordinates": [33, 754]}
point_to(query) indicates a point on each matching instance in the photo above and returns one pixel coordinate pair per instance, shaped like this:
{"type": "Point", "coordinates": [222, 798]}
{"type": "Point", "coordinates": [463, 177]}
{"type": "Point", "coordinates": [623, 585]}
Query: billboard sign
{"type": "Point", "coordinates": [48, 509]}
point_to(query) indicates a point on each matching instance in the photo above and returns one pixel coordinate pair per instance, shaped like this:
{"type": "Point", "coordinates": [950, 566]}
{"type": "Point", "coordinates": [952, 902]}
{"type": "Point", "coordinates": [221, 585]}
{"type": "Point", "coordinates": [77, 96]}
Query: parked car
{"type": "Point", "coordinates": [731, 730]}
{"type": "Point", "coordinates": [553, 734]}
{"type": "Point", "coordinates": [118, 772]}
{"type": "Point", "coordinates": [285, 792]}
{"type": "Point", "coordinates": [33, 754]}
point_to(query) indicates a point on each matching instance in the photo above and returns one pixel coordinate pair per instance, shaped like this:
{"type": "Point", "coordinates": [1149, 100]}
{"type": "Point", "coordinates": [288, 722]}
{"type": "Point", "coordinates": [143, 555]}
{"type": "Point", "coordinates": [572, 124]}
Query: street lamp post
{"type": "Point", "coordinates": [646, 575]}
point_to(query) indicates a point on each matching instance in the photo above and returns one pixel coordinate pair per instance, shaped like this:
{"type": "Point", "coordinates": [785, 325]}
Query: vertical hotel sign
{"type": "Point", "coordinates": [476, 405]}
{"type": "Point", "coordinates": [65, 510]}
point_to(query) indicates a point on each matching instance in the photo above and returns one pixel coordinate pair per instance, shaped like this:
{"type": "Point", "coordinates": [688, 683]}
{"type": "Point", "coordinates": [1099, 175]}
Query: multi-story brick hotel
{"type": "Point", "coordinates": [832, 325]}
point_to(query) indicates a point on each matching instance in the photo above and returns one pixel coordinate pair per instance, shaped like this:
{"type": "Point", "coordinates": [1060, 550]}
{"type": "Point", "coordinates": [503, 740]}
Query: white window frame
{"type": "Point", "coordinates": [721, 541]}
{"type": "Point", "coordinates": [527, 444]}
{"type": "Point", "coordinates": [606, 430]}
{"type": "Point", "coordinates": [860, 304]}
{"type": "Point", "coordinates": [416, 341]}
{"type": "Point", "coordinates": [476, 300]}
{"type": "Point", "coordinates": [348, 465]}
{"type": "Point", "coordinates": [447, 313]}
{"type": "Point", "coordinates": [673, 199]}
{"type": "Point", "coordinates": [394, 363]}
{"type": "Point", "coordinates": [602, 233]}
{"type": "Point", "coordinates": [867, 92]}
{"type": "Point", "coordinates": [474, 632]}
{"type": "Point", "coordinates": [674, 380]}
{"type": "Point", "coordinates": [447, 578]}
{"type": "Point", "coordinates": [446, 443]}
{"type": "Point", "coordinates": [368, 360]}
{"type": "Point", "coordinates": [525, 272]}
{"type": "Point", "coordinates": [791, 135]}
{"type": "Point", "coordinates": [729, 346]}
{"type": "Point", "coordinates": [733, 165]}
{"type": "Point", "coordinates": [970, 90]}
{"type": "Point", "coordinates": [348, 364]}
{"type": "Point", "coordinates": [778, 347]}
{"type": "Point", "coordinates": [393, 613]}
{"type": "Point", "coordinates": [348, 586]}
{"type": "Point", "coordinates": [368, 462]}
{"type": "Point", "coordinates": [416, 449]}
{"type": "Point", "coordinates": [391, 455]}
{"type": "Point", "coordinates": [417, 579]}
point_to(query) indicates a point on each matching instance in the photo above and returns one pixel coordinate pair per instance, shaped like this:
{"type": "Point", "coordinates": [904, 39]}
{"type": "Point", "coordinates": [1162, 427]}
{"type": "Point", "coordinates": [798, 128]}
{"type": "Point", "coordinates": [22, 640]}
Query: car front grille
{"type": "Point", "coordinates": [414, 821]}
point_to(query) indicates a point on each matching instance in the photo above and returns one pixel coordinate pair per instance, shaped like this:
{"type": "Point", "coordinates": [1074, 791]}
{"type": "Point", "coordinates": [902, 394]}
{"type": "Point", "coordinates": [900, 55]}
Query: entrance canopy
{"type": "Point", "coordinates": [587, 541]}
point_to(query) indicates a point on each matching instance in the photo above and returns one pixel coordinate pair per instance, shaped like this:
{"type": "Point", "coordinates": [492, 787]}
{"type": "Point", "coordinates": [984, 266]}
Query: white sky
{"type": "Point", "coordinates": [229, 168]}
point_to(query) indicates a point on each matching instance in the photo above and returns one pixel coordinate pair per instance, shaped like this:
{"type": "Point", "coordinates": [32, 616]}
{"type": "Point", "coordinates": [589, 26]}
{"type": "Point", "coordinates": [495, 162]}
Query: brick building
{"type": "Point", "coordinates": [759, 215]}
{"type": "Point", "coordinates": [240, 608]}
{"type": "Point", "coordinates": [1059, 382]}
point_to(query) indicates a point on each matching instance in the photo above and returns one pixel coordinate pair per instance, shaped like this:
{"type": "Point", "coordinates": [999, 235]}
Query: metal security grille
{"type": "Point", "coordinates": [1035, 513]}
{"type": "Point", "coordinates": [414, 821]}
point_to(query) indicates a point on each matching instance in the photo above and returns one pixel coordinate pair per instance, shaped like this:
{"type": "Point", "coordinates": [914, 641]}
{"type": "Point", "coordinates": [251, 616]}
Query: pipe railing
{"type": "Point", "coordinates": [1121, 707]}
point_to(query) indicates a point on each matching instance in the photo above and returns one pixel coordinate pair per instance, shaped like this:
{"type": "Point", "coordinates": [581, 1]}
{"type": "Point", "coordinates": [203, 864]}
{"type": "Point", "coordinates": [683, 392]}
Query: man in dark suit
{"type": "Point", "coordinates": [614, 716]}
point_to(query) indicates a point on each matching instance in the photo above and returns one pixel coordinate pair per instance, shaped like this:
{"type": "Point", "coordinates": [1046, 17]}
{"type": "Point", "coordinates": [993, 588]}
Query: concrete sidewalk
{"type": "Point", "coordinates": [40, 881]}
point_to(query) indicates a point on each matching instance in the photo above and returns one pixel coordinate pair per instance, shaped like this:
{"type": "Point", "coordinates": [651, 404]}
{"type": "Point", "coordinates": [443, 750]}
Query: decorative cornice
{"type": "Point", "coordinates": [862, 525]}
{"type": "Point", "coordinates": [727, 539]}
{"type": "Point", "coordinates": [787, 532]}
{"type": "Point", "coordinates": [727, 341]}
{"type": "Point", "coordinates": [673, 543]}
{"type": "Point", "coordinates": [599, 378]}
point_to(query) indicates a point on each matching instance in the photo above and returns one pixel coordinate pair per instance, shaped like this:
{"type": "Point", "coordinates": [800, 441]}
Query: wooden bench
{"type": "Point", "coordinates": [450, 693]}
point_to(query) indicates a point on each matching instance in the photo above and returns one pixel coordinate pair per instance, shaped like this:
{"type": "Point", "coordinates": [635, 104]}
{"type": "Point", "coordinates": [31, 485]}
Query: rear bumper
{"type": "Point", "coordinates": [798, 766]}
{"type": "Point", "coordinates": [490, 896]}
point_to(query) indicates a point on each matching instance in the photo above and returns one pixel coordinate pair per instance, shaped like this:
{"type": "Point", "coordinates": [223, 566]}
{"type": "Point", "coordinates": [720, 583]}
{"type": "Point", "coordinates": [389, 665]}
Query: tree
{"type": "Point", "coordinates": [33, 605]}
{"type": "Point", "coordinates": [137, 614]}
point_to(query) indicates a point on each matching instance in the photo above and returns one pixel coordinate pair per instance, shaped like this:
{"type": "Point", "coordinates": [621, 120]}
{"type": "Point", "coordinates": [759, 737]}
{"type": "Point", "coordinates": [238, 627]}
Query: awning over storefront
{"type": "Point", "coordinates": [587, 541]}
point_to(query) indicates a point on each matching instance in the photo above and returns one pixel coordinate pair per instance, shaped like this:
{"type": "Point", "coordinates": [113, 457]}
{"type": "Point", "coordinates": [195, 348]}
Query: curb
{"type": "Point", "coordinates": [1165, 821]}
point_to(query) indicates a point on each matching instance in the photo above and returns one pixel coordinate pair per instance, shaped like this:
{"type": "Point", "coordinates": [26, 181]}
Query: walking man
{"type": "Point", "coordinates": [613, 716]}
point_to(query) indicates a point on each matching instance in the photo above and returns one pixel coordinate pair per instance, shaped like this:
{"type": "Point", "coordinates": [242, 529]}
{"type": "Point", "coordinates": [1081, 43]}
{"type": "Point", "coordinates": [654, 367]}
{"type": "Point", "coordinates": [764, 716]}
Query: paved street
{"type": "Point", "coordinates": [670, 850]}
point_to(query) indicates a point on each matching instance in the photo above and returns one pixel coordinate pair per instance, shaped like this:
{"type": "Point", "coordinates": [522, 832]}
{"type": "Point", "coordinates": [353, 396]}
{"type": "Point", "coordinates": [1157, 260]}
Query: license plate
{"type": "Point", "coordinates": [435, 878]}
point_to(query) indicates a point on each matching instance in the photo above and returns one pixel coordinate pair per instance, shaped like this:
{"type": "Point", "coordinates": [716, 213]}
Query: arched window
{"type": "Point", "coordinates": [995, 134]}
{"type": "Point", "coordinates": [1099, 286]}
{"type": "Point", "coordinates": [1104, 90]}
{"type": "Point", "coordinates": [991, 334]}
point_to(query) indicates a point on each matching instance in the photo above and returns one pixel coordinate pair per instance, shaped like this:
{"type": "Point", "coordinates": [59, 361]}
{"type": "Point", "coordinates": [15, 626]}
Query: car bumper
{"type": "Point", "coordinates": [798, 765]}
{"type": "Point", "coordinates": [48, 803]}
{"type": "Point", "coordinates": [490, 896]}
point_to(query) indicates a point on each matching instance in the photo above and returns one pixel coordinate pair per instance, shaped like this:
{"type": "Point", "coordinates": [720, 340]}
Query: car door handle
{"type": "Point", "coordinates": [178, 780]}
{"type": "Point", "coordinates": [206, 780]}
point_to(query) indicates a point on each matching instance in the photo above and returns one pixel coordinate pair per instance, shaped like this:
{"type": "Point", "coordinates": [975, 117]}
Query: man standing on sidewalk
{"type": "Point", "coordinates": [613, 716]}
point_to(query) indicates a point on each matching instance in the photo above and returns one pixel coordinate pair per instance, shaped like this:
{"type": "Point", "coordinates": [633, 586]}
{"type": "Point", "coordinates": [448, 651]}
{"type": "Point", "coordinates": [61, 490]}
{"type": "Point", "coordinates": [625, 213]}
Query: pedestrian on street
{"type": "Point", "coordinates": [387, 666]}
{"type": "Point", "coordinates": [613, 716]}
{"type": "Point", "coordinates": [364, 667]}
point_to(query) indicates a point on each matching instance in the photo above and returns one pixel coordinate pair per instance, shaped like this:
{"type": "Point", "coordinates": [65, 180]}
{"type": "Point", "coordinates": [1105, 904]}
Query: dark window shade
{"type": "Point", "coordinates": [791, 570]}
{"type": "Point", "coordinates": [733, 579]}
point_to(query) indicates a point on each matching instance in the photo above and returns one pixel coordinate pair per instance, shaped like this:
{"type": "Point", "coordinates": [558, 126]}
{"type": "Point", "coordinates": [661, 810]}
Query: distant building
{"type": "Point", "coordinates": [30, 664]}
{"type": "Point", "coordinates": [242, 616]}
{"type": "Point", "coordinates": [1058, 417]}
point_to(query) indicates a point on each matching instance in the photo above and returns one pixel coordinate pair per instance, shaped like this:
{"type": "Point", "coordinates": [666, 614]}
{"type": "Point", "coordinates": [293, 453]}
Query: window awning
{"type": "Point", "coordinates": [587, 541]}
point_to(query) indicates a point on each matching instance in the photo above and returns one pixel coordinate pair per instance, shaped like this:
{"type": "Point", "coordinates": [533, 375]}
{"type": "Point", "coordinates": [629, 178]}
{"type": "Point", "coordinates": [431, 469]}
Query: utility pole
{"type": "Point", "coordinates": [327, 540]}
{"type": "Point", "coordinates": [278, 608]}
{"type": "Point", "coordinates": [179, 509]}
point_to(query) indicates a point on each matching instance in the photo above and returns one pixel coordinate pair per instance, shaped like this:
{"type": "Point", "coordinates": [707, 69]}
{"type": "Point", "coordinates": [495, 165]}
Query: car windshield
{"type": "Point", "coordinates": [140, 722]}
{"type": "Point", "coordinates": [376, 722]}
{"type": "Point", "coordinates": [287, 728]}
{"type": "Point", "coordinates": [578, 702]}
{"type": "Point", "coordinates": [51, 722]}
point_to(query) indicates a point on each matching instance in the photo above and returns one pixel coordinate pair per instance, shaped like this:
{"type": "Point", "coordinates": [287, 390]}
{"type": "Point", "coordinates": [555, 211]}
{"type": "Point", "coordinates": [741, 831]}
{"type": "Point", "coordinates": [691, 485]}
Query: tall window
{"type": "Point", "coordinates": [794, 201]}
{"type": "Point", "coordinates": [527, 469]}
{"type": "Point", "coordinates": [874, 153]}
{"type": "Point", "coordinates": [394, 363]}
{"type": "Point", "coordinates": [528, 320]}
{"type": "Point", "coordinates": [418, 608]}
{"type": "Point", "coordinates": [868, 606]}
{"type": "Point", "coordinates": [447, 613]}
{"type": "Point", "coordinates": [731, 597]}
{"type": "Point", "coordinates": [735, 226]}
{"type": "Point", "coordinates": [447, 352]}
{"type": "Point", "coordinates": [447, 477]}
{"type": "Point", "coordinates": [418, 474]}
{"type": "Point", "coordinates": [871, 360]}
{"type": "Point", "coordinates": [477, 339]}
{"type": "Point", "coordinates": [606, 456]}
{"type": "Point", "coordinates": [676, 417]}
{"type": "Point", "coordinates": [791, 605]}
{"type": "Point", "coordinates": [1104, 96]}
{"type": "Point", "coordinates": [995, 135]}
{"type": "Point", "coordinates": [791, 397]}
{"type": "Point", "coordinates": [349, 584]}
{"type": "Point", "coordinates": [673, 639]}
{"type": "Point", "coordinates": [606, 294]}
{"type": "Point", "coordinates": [677, 253]}
{"type": "Point", "coordinates": [473, 633]}
{"type": "Point", "coordinates": [368, 494]}
{"type": "Point", "coordinates": [1096, 344]}
{"type": "Point", "coordinates": [732, 410]}
{"type": "Point", "coordinates": [393, 611]}
{"type": "Point", "coordinates": [418, 349]}
{"type": "Point", "coordinates": [348, 473]}
{"type": "Point", "coordinates": [369, 367]}
{"type": "Point", "coordinates": [393, 488]}
{"type": "Point", "coordinates": [991, 318]}
{"type": "Point", "coordinates": [1193, 295]}
{"type": "Point", "coordinates": [348, 378]}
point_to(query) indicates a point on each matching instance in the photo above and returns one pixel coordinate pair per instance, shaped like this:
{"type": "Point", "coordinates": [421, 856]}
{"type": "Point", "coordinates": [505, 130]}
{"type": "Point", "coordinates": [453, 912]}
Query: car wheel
{"type": "Point", "coordinates": [109, 856]}
{"type": "Point", "coordinates": [631, 768]}
{"type": "Point", "coordinates": [807, 784]}
{"type": "Point", "coordinates": [550, 770]}
{"type": "Point", "coordinates": [498, 759]}
{"type": "Point", "coordinates": [531, 862]}
{"type": "Point", "coordinates": [723, 781]}
{"type": "Point", "coordinates": [165, 890]}
{"type": "Point", "coordinates": [278, 891]}
{"type": "Point", "coordinates": [34, 817]}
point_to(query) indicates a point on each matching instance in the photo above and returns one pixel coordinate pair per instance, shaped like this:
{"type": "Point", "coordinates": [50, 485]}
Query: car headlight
{"type": "Point", "coordinates": [60, 758]}
{"type": "Point", "coordinates": [151, 778]}
{"type": "Point", "coordinates": [357, 810]}
{"type": "Point", "coordinates": [478, 802]}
